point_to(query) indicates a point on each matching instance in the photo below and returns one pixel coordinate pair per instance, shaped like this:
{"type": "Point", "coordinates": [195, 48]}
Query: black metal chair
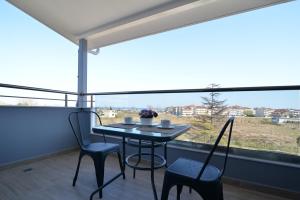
{"type": "Point", "coordinates": [97, 151]}
{"type": "Point", "coordinates": [202, 177]}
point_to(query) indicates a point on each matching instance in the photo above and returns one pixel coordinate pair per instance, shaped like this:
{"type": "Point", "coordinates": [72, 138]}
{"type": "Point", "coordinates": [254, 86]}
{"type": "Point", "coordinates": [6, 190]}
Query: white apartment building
{"type": "Point", "coordinates": [201, 110]}
{"type": "Point", "coordinates": [263, 112]}
{"type": "Point", "coordinates": [294, 113]}
{"type": "Point", "coordinates": [187, 111]}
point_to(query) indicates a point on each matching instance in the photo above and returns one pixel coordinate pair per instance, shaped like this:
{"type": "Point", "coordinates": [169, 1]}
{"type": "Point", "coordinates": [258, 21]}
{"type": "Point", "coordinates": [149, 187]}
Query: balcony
{"type": "Point", "coordinates": [51, 177]}
{"type": "Point", "coordinates": [38, 151]}
{"type": "Point", "coordinates": [42, 148]}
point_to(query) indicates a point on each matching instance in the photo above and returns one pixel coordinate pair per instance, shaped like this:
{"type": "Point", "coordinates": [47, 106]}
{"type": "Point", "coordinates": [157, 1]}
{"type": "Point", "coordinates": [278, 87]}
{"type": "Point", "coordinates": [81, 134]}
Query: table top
{"type": "Point", "coordinates": [136, 131]}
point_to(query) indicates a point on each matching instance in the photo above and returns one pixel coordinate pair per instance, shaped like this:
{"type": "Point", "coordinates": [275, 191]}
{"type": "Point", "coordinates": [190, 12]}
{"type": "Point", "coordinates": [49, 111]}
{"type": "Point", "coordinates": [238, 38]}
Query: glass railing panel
{"type": "Point", "coordinates": [264, 120]}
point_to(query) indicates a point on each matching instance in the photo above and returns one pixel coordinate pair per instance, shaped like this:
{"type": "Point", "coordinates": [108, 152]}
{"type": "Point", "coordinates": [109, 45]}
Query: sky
{"type": "Point", "coordinates": [257, 48]}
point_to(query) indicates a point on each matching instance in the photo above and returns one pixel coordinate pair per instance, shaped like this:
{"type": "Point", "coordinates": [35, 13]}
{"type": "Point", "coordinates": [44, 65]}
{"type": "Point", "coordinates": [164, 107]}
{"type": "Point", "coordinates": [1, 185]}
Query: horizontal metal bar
{"type": "Point", "coordinates": [39, 98]}
{"type": "Point", "coordinates": [229, 89]}
{"type": "Point", "coordinates": [36, 89]}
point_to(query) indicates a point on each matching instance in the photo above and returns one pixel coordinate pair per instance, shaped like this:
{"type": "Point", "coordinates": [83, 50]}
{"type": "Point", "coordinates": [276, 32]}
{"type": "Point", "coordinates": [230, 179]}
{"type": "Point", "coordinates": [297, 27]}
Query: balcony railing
{"type": "Point", "coordinates": [41, 96]}
{"type": "Point", "coordinates": [267, 118]}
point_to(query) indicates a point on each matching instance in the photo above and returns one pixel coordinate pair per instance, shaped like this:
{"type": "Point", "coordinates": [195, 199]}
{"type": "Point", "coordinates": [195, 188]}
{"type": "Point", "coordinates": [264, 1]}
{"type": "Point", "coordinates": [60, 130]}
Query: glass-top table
{"type": "Point", "coordinates": [153, 134]}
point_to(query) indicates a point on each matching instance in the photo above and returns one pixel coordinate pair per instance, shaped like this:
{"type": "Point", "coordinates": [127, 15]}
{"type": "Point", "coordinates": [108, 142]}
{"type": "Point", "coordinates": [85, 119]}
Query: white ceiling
{"type": "Point", "coordinates": [106, 22]}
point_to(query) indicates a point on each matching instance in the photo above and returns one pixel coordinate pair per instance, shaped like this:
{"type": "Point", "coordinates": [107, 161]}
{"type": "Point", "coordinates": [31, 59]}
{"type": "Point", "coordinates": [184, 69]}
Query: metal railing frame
{"type": "Point", "coordinates": [66, 93]}
{"type": "Point", "coordinates": [66, 100]}
{"type": "Point", "coordinates": [227, 89]}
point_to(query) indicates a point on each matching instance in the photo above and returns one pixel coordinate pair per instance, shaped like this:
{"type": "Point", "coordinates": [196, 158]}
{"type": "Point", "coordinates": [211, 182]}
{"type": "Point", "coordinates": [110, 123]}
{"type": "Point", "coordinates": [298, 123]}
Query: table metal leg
{"type": "Point", "coordinates": [152, 171]}
{"type": "Point", "coordinates": [139, 158]}
{"type": "Point", "coordinates": [166, 153]}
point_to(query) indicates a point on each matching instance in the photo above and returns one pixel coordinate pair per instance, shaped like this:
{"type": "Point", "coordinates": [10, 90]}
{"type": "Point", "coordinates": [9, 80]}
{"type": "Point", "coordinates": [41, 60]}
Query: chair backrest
{"type": "Point", "coordinates": [80, 124]}
{"type": "Point", "coordinates": [229, 124]}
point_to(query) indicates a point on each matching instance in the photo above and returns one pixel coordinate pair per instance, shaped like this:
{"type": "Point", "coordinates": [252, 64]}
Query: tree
{"type": "Point", "coordinates": [248, 113]}
{"type": "Point", "coordinates": [213, 104]}
{"type": "Point", "coordinates": [27, 102]}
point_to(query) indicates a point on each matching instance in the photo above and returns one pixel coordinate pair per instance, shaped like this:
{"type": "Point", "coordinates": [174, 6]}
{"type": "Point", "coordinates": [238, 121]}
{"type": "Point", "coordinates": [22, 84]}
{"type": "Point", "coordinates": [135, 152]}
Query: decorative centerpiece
{"type": "Point", "coordinates": [147, 116]}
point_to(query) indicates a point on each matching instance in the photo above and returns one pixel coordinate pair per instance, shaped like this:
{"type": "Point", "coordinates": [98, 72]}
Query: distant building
{"type": "Point", "coordinates": [236, 111]}
{"type": "Point", "coordinates": [294, 113]}
{"type": "Point", "coordinates": [174, 110]}
{"type": "Point", "coordinates": [263, 112]}
{"type": "Point", "coordinates": [108, 113]}
{"type": "Point", "coordinates": [281, 120]}
{"type": "Point", "coordinates": [187, 111]}
{"type": "Point", "coordinates": [282, 113]}
{"type": "Point", "coordinates": [278, 120]}
{"type": "Point", "coordinates": [202, 110]}
{"type": "Point", "coordinates": [259, 112]}
{"type": "Point", "coordinates": [268, 112]}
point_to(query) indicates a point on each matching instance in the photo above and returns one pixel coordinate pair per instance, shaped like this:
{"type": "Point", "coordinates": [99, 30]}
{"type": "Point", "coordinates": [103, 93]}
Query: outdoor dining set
{"type": "Point", "coordinates": [202, 177]}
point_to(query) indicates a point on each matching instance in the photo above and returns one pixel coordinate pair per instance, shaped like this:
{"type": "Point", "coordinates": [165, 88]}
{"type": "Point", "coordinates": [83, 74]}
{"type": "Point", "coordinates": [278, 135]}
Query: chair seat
{"type": "Point", "coordinates": [101, 147]}
{"type": "Point", "coordinates": [191, 168]}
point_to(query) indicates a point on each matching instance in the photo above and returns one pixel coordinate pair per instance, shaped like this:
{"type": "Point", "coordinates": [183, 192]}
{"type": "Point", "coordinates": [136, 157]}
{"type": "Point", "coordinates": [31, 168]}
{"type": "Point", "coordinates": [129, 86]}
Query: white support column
{"type": "Point", "coordinates": [82, 73]}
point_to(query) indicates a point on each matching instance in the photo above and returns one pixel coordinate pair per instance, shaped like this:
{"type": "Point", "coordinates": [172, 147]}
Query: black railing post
{"type": "Point", "coordinates": [66, 100]}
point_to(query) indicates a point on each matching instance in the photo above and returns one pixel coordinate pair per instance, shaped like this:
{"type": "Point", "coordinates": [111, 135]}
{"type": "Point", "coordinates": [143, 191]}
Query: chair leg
{"type": "Point", "coordinates": [212, 192]}
{"type": "Point", "coordinates": [121, 165]}
{"type": "Point", "coordinates": [167, 185]}
{"type": "Point", "coordinates": [220, 192]}
{"type": "Point", "coordinates": [99, 161]}
{"type": "Point", "coordinates": [179, 190]}
{"type": "Point", "coordinates": [77, 169]}
{"type": "Point", "coordinates": [190, 189]}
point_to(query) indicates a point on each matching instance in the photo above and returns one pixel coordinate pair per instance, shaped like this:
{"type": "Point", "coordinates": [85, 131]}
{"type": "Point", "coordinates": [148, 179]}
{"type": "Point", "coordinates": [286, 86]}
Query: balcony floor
{"type": "Point", "coordinates": [51, 179]}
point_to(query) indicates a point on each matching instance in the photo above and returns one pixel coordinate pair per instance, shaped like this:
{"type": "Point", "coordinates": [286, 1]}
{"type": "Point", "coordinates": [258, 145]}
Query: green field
{"type": "Point", "coordinates": [248, 132]}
